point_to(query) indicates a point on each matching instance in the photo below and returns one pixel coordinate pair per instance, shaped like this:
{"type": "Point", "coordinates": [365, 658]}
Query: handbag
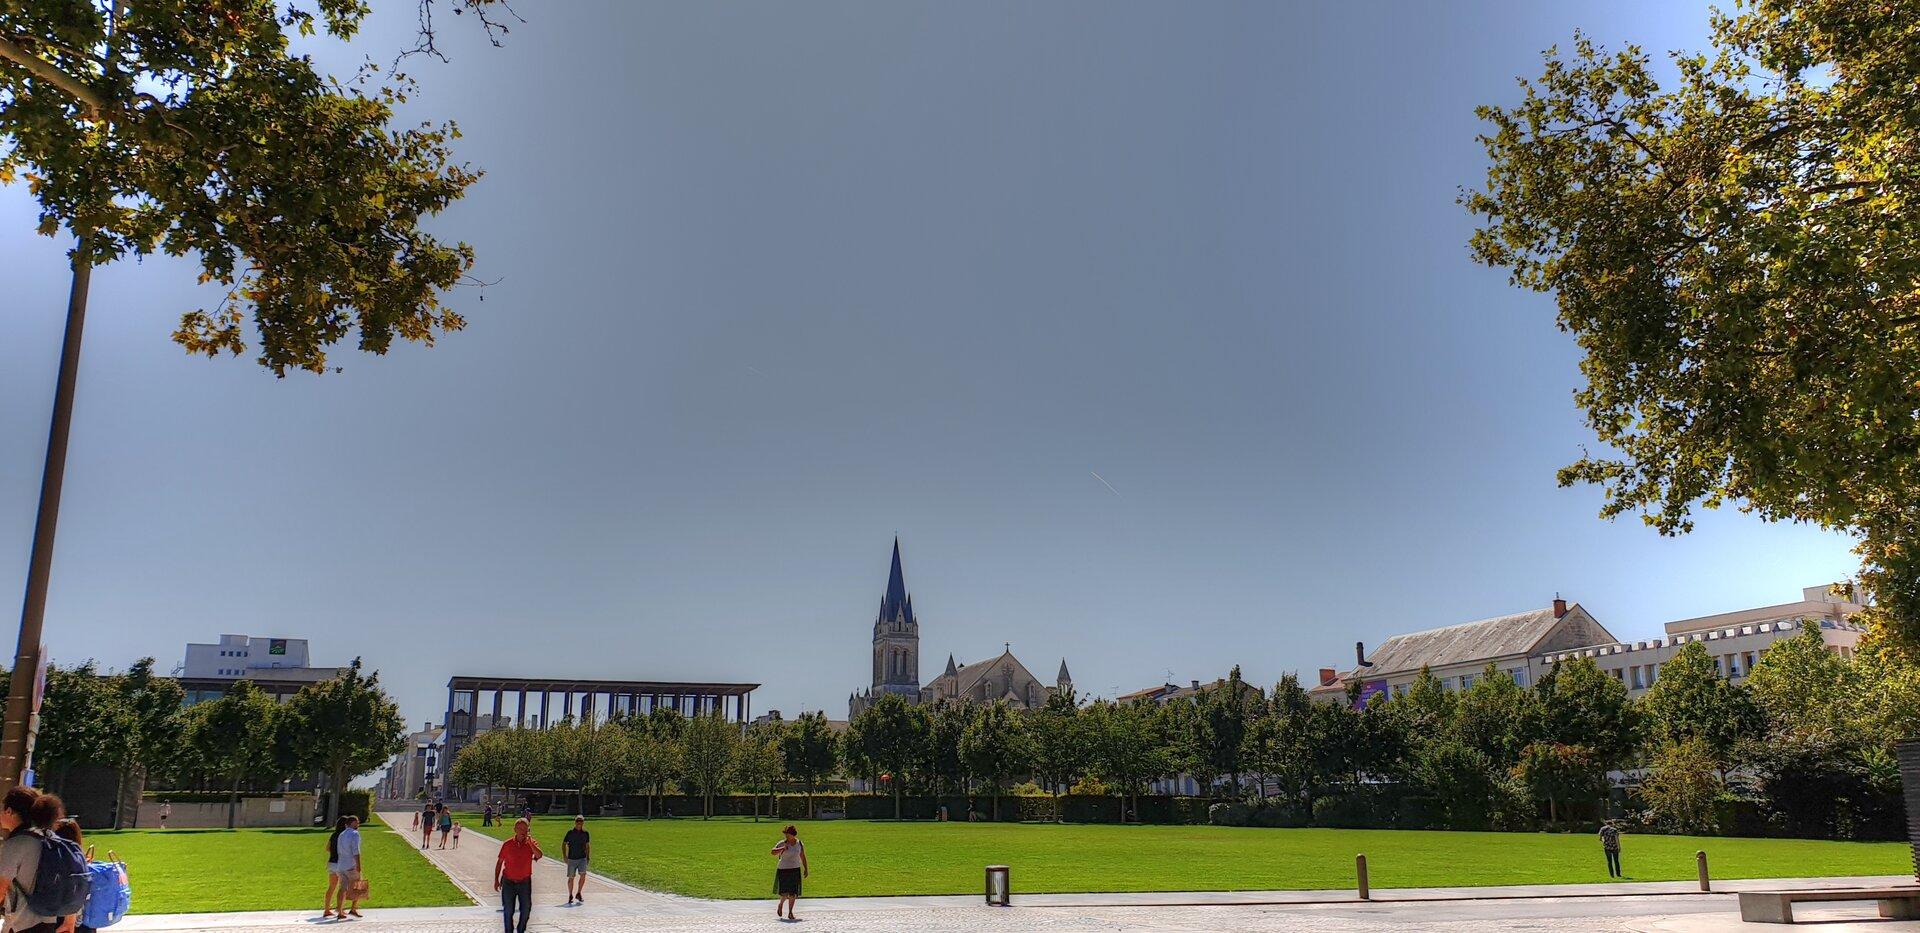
{"type": "Point", "coordinates": [357, 889]}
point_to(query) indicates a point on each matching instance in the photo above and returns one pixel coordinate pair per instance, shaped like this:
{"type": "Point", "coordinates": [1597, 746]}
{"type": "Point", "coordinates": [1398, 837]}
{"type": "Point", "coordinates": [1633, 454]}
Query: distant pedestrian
{"type": "Point", "coordinates": [486, 815]}
{"type": "Point", "coordinates": [576, 845]}
{"type": "Point", "coordinates": [446, 824]}
{"type": "Point", "coordinates": [166, 810]}
{"type": "Point", "coordinates": [513, 877]}
{"type": "Point", "coordinates": [788, 871]}
{"type": "Point", "coordinates": [1610, 844]}
{"type": "Point", "coordinates": [343, 869]}
{"type": "Point", "coordinates": [456, 834]}
{"type": "Point", "coordinates": [427, 813]}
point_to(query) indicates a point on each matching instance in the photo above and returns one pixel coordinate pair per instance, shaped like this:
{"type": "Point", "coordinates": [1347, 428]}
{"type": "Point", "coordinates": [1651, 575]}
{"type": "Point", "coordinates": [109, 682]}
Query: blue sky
{"type": "Point", "coordinates": [777, 282]}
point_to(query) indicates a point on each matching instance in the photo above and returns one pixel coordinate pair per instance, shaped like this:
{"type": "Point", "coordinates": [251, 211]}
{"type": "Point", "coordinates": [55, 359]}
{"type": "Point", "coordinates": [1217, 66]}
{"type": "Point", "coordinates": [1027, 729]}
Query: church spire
{"type": "Point", "coordinates": [951, 670]}
{"type": "Point", "coordinates": [896, 605]}
{"type": "Point", "coordinates": [1064, 678]}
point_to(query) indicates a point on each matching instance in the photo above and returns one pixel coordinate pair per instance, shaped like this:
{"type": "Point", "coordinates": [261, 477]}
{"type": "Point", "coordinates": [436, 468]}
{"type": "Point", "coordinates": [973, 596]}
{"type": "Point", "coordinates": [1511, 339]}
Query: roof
{"type": "Point", "coordinates": [967, 675]}
{"type": "Point", "coordinates": [1484, 640]}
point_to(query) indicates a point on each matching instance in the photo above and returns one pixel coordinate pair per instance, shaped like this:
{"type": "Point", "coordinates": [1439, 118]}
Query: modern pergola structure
{"type": "Point", "coordinates": [541, 701]}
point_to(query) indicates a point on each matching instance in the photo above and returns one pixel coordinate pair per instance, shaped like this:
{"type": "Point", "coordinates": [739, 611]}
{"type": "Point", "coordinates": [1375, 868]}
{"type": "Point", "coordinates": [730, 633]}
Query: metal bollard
{"type": "Point", "coordinates": [1700, 860]}
{"type": "Point", "coordinates": [1360, 869]}
{"type": "Point", "coordinates": [999, 887]}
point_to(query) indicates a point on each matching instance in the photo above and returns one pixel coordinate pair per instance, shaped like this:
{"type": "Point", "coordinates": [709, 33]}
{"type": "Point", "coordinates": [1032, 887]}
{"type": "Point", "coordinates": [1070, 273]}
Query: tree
{"type": "Point", "coordinates": [1130, 747]}
{"type": "Point", "coordinates": [1462, 781]}
{"type": "Point", "coordinates": [343, 728]}
{"type": "Point", "coordinates": [1733, 254]}
{"type": "Point", "coordinates": [520, 756]}
{"type": "Point", "coordinates": [154, 704]}
{"type": "Point", "coordinates": [1059, 742]}
{"type": "Point", "coordinates": [187, 129]}
{"type": "Point", "coordinates": [890, 734]}
{"type": "Point", "coordinates": [1577, 703]}
{"type": "Point", "coordinates": [593, 757]}
{"type": "Point", "coordinates": [995, 747]}
{"type": "Point", "coordinates": [1556, 774]}
{"type": "Point", "coordinates": [1691, 700]}
{"type": "Point", "coordinates": [655, 761]}
{"type": "Point", "coordinates": [807, 748]}
{"type": "Point", "coordinates": [1220, 726]}
{"type": "Point", "coordinates": [1802, 686]}
{"type": "Point", "coordinates": [759, 763]}
{"type": "Point", "coordinates": [1681, 785]}
{"type": "Point", "coordinates": [1491, 717]}
{"type": "Point", "coordinates": [481, 762]}
{"type": "Point", "coordinates": [83, 720]}
{"type": "Point", "coordinates": [235, 737]}
{"type": "Point", "coordinates": [707, 748]}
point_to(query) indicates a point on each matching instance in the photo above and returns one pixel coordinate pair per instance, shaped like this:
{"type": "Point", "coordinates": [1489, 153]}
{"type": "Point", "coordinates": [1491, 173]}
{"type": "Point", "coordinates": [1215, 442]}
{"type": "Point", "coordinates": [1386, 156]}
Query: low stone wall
{"type": "Point", "coordinates": [253, 812]}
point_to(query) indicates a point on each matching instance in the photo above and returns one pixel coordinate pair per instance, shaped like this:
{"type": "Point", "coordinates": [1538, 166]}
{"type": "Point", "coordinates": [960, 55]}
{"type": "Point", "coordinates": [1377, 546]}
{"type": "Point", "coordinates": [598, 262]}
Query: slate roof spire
{"type": "Point", "coordinates": [896, 604]}
{"type": "Point", "coordinates": [1064, 677]}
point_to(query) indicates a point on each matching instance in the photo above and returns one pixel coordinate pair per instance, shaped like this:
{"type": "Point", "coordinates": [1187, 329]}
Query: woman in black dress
{"type": "Point", "coordinates": [791, 868]}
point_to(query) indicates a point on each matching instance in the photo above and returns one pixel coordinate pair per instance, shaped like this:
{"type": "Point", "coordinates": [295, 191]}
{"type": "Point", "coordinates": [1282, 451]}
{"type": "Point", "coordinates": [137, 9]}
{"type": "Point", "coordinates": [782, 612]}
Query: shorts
{"type": "Point", "coordinates": [344, 874]}
{"type": "Point", "coordinates": [576, 866]}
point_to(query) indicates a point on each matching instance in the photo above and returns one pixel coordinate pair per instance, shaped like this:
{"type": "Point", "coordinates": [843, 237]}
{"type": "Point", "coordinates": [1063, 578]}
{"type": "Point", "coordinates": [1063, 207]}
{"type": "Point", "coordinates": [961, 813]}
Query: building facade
{"type": "Point", "coordinates": [1736, 640]}
{"type": "Point", "coordinates": [896, 663]}
{"type": "Point", "coordinates": [1527, 645]}
{"type": "Point", "coordinates": [280, 667]}
{"type": "Point", "coordinates": [414, 770]}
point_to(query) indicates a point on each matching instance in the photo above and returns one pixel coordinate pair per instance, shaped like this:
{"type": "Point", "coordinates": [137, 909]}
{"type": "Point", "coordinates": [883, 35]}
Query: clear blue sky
{"type": "Point", "coordinates": [778, 281]}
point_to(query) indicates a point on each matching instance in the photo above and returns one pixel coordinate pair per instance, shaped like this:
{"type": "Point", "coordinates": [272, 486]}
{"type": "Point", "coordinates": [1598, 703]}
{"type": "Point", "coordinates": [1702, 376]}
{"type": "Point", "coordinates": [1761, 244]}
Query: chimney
{"type": "Point", "coordinates": [1196, 685]}
{"type": "Point", "coordinates": [1327, 677]}
{"type": "Point", "coordinates": [1559, 606]}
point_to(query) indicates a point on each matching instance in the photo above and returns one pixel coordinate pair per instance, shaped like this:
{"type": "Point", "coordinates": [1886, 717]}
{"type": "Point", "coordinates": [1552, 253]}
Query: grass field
{"type": "Point", "coordinates": [205, 870]}
{"type": "Point", "coordinates": [727, 858]}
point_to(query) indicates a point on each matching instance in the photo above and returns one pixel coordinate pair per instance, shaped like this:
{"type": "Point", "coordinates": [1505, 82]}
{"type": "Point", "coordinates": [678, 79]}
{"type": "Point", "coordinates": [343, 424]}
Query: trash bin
{"type": "Point", "coordinates": [999, 889]}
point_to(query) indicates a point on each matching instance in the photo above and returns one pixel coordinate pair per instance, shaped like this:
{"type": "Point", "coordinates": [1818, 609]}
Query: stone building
{"type": "Point", "coordinates": [896, 663]}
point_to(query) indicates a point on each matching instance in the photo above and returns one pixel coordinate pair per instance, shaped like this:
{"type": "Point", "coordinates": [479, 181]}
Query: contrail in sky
{"type": "Point", "coordinates": [1103, 482]}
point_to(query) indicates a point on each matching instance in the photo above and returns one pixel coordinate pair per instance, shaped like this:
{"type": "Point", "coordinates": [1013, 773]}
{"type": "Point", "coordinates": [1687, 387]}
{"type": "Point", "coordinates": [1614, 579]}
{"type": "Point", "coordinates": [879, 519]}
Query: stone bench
{"type": "Point", "coordinates": [1902, 903]}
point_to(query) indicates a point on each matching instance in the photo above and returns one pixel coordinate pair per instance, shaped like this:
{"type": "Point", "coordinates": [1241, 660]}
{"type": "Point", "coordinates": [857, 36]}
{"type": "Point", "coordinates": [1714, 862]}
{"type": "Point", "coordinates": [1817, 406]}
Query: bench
{"type": "Point", "coordinates": [1902, 903]}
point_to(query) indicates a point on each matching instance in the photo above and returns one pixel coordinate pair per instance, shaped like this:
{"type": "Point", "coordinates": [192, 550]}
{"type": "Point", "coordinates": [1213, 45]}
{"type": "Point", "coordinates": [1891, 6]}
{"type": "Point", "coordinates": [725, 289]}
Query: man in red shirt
{"type": "Point", "coordinates": [513, 876]}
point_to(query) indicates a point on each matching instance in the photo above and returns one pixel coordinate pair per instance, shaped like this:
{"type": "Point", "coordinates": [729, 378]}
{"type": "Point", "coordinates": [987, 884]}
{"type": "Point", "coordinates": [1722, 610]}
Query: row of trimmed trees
{"type": "Point", "coordinates": [1805, 740]}
{"type": "Point", "coordinates": [134, 723]}
{"type": "Point", "coordinates": [653, 755]}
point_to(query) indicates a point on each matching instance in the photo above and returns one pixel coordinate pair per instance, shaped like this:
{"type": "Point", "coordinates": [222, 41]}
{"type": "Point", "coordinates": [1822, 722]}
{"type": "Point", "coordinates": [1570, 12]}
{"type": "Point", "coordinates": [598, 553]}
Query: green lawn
{"type": "Point", "coordinates": [203, 870]}
{"type": "Point", "coordinates": [727, 858]}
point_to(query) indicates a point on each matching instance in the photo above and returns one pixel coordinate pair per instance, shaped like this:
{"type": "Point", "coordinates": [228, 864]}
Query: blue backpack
{"type": "Point", "coordinates": [60, 885]}
{"type": "Point", "coordinates": [110, 897]}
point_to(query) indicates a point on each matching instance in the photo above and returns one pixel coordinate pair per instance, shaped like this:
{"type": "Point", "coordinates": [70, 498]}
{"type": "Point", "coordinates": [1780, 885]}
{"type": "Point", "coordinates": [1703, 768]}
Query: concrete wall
{"type": "Point", "coordinates": [291, 810]}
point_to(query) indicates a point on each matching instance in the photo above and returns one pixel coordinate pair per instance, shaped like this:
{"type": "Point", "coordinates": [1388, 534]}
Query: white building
{"type": "Point", "coordinates": [1526, 645]}
{"type": "Point", "coordinates": [279, 666]}
{"type": "Point", "coordinates": [417, 767]}
{"type": "Point", "coordinates": [1736, 640]}
{"type": "Point", "coordinates": [1518, 644]}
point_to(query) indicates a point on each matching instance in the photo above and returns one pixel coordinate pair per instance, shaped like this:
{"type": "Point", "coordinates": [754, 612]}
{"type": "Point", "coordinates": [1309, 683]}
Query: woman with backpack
{"type": "Point", "coordinates": [43, 878]}
{"type": "Point", "coordinates": [343, 868]}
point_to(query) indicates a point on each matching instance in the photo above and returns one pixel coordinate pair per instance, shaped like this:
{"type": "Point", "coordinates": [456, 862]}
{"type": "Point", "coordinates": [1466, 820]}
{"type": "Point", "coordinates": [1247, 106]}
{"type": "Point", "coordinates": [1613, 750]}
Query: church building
{"type": "Point", "coordinates": [896, 663]}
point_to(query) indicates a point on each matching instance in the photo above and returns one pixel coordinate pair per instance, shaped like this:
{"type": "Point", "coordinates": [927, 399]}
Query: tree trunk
{"type": "Point", "coordinates": [896, 797]}
{"type": "Point", "coordinates": [333, 799]}
{"type": "Point", "coordinates": [809, 799]}
{"type": "Point", "coordinates": [996, 802]}
{"type": "Point", "coordinates": [119, 795]}
{"type": "Point", "coordinates": [233, 801]}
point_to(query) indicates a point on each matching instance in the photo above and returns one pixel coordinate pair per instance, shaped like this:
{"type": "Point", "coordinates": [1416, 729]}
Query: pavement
{"type": "Point", "coordinates": [1631, 907]}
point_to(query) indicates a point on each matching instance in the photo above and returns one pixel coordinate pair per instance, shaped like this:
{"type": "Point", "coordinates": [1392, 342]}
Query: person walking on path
{"type": "Point", "coordinates": [788, 871]}
{"type": "Point", "coordinates": [27, 816]}
{"type": "Point", "coordinates": [343, 869]}
{"type": "Point", "coordinates": [427, 814]}
{"type": "Point", "coordinates": [456, 834]}
{"type": "Point", "coordinates": [513, 877]}
{"type": "Point", "coordinates": [446, 824]}
{"type": "Point", "coordinates": [576, 845]}
{"type": "Point", "coordinates": [166, 810]}
{"type": "Point", "coordinates": [486, 815]}
{"type": "Point", "coordinates": [1610, 844]}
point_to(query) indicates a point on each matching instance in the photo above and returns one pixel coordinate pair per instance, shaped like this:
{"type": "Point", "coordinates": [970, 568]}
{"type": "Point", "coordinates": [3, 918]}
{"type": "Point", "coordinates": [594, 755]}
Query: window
{"type": "Point", "coordinates": [1749, 660]}
{"type": "Point", "coordinates": [1637, 683]}
{"type": "Point", "coordinates": [1653, 674]}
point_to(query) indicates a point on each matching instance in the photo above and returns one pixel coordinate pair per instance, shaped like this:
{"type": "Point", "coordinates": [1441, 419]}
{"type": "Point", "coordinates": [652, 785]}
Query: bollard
{"type": "Point", "coordinates": [1700, 859]}
{"type": "Point", "coordinates": [999, 888]}
{"type": "Point", "coordinates": [1360, 869]}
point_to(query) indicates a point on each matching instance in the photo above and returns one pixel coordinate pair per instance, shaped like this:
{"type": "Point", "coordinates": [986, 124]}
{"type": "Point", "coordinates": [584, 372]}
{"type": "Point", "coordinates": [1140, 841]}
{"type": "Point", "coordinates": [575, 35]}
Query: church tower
{"type": "Point", "coordinates": [896, 638]}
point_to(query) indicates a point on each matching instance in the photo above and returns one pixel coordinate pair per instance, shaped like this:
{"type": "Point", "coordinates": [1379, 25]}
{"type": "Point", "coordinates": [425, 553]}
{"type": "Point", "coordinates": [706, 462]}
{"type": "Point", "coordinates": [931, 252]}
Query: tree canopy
{"type": "Point", "coordinates": [1734, 253]}
{"type": "Point", "coordinates": [195, 129]}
